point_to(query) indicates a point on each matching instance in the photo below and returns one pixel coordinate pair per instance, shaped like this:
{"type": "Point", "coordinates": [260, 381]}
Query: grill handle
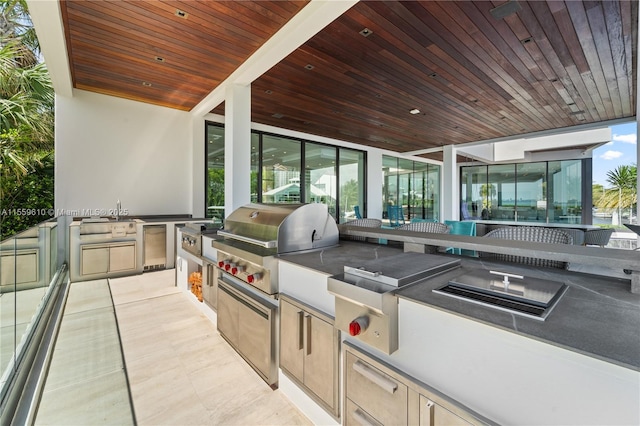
{"type": "Point", "coordinates": [261, 243]}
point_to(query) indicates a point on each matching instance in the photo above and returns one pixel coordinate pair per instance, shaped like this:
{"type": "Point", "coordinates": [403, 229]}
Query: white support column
{"type": "Point", "coordinates": [449, 195]}
{"type": "Point", "coordinates": [374, 184]}
{"type": "Point", "coordinates": [198, 166]}
{"type": "Point", "coordinates": [237, 147]}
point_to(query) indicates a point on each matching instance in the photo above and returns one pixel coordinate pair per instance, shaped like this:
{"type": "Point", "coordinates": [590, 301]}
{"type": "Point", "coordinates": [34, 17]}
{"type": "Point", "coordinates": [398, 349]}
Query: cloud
{"type": "Point", "coordinates": [611, 155]}
{"type": "Point", "coordinates": [631, 138]}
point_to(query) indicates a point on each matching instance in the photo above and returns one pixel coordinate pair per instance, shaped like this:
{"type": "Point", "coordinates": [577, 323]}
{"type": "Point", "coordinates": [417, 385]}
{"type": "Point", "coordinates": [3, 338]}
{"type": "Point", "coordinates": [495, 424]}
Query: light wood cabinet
{"type": "Point", "coordinates": [377, 393]}
{"type": "Point", "coordinates": [309, 350]}
{"type": "Point", "coordinates": [107, 258]}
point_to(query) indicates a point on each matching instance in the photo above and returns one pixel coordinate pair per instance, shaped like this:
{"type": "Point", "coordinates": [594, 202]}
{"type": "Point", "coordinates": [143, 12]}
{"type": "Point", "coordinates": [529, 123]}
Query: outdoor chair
{"type": "Point", "coordinates": [597, 237]}
{"type": "Point", "coordinates": [433, 227]}
{"type": "Point", "coordinates": [356, 211]}
{"type": "Point", "coordinates": [365, 223]}
{"type": "Point", "coordinates": [533, 234]}
{"type": "Point", "coordinates": [576, 234]}
{"type": "Point", "coordinates": [395, 215]}
{"type": "Point", "coordinates": [461, 228]}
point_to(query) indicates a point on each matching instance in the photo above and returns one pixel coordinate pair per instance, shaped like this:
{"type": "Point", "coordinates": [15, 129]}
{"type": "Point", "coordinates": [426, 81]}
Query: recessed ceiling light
{"type": "Point", "coordinates": [277, 115]}
{"type": "Point", "coordinates": [181, 14]}
{"type": "Point", "coordinates": [309, 67]}
{"type": "Point", "coordinates": [433, 75]}
{"type": "Point", "coordinates": [146, 84]}
{"type": "Point", "coordinates": [526, 40]}
{"type": "Point", "coordinates": [414, 111]}
{"type": "Point", "coordinates": [159, 58]}
{"type": "Point", "coordinates": [366, 32]}
{"type": "Point", "coordinates": [268, 92]}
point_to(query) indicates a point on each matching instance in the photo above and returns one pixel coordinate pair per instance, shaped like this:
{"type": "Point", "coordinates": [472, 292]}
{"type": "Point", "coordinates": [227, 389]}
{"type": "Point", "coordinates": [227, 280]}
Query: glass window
{"type": "Point", "coordinates": [276, 164]}
{"type": "Point", "coordinates": [538, 192]}
{"type": "Point", "coordinates": [565, 191]}
{"type": "Point", "coordinates": [214, 176]}
{"type": "Point", "coordinates": [531, 188]}
{"type": "Point", "coordinates": [352, 187]}
{"type": "Point", "coordinates": [320, 175]}
{"type": "Point", "coordinates": [255, 167]}
{"type": "Point", "coordinates": [281, 159]}
{"type": "Point", "coordinates": [502, 191]}
{"type": "Point", "coordinates": [413, 185]}
{"type": "Point", "coordinates": [475, 193]}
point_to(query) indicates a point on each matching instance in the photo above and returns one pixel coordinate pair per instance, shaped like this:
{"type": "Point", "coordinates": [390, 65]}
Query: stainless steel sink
{"type": "Point", "coordinates": [517, 294]}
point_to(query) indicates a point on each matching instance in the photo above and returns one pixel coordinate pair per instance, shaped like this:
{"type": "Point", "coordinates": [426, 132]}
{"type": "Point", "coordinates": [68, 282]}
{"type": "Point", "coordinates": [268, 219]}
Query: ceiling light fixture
{"type": "Point", "coordinates": [433, 75]}
{"type": "Point", "coordinates": [505, 9]}
{"type": "Point", "coordinates": [268, 92]}
{"type": "Point", "coordinates": [366, 32]}
{"type": "Point", "coordinates": [414, 111]}
{"type": "Point", "coordinates": [277, 115]}
{"type": "Point", "coordinates": [309, 67]}
{"type": "Point", "coordinates": [159, 58]}
{"type": "Point", "coordinates": [526, 40]}
{"type": "Point", "coordinates": [146, 84]}
{"type": "Point", "coordinates": [181, 14]}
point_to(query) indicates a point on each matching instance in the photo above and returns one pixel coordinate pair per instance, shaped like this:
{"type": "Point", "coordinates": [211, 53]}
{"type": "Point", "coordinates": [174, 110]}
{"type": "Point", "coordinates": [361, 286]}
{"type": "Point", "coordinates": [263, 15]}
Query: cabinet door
{"type": "Point", "coordinates": [227, 315]}
{"type": "Point", "coordinates": [122, 258]}
{"type": "Point", "coordinates": [95, 260]}
{"type": "Point", "coordinates": [254, 337]}
{"type": "Point", "coordinates": [433, 414]}
{"type": "Point", "coordinates": [320, 363]}
{"type": "Point", "coordinates": [19, 269]}
{"type": "Point", "coordinates": [291, 339]}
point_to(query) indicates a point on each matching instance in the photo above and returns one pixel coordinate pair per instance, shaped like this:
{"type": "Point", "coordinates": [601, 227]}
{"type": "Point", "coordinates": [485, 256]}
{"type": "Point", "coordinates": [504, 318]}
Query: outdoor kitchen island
{"type": "Point", "coordinates": [581, 365]}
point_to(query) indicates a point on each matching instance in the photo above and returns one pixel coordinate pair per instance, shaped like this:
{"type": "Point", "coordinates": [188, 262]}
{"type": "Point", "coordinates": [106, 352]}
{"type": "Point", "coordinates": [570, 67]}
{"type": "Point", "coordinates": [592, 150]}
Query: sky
{"type": "Point", "coordinates": [620, 151]}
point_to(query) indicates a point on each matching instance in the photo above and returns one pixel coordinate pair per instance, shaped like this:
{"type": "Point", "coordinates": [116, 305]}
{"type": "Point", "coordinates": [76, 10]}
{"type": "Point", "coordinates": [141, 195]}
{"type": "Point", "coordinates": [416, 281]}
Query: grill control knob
{"type": "Point", "coordinates": [358, 325]}
{"type": "Point", "coordinates": [253, 277]}
{"type": "Point", "coordinates": [236, 269]}
{"type": "Point", "coordinates": [227, 266]}
{"type": "Point", "coordinates": [221, 264]}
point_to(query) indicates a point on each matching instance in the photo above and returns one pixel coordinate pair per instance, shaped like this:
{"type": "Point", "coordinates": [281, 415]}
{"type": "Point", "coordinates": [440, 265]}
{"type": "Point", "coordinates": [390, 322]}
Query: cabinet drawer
{"type": "Point", "coordinates": [356, 416]}
{"type": "Point", "coordinates": [432, 414]}
{"type": "Point", "coordinates": [377, 393]}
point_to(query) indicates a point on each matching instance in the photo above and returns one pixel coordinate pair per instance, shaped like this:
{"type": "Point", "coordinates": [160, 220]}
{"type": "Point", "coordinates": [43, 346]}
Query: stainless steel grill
{"type": "Point", "coordinates": [254, 236]}
{"type": "Point", "coordinates": [256, 233]}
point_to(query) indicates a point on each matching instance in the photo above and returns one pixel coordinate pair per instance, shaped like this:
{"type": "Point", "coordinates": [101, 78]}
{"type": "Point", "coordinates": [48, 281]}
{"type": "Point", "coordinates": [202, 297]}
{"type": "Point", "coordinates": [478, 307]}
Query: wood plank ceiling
{"type": "Point", "coordinates": [550, 65]}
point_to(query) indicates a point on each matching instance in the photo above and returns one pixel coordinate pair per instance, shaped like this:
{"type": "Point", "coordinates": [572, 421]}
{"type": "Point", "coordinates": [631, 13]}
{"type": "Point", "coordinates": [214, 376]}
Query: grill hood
{"type": "Point", "coordinates": [282, 228]}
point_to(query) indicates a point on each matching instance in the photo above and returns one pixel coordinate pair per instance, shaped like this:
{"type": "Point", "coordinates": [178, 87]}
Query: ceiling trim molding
{"type": "Point", "coordinates": [304, 25]}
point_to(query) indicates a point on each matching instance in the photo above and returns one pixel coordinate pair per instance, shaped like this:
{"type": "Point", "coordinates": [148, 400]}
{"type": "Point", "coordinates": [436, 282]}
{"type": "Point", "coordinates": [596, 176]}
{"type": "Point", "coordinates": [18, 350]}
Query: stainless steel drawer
{"type": "Point", "coordinates": [378, 394]}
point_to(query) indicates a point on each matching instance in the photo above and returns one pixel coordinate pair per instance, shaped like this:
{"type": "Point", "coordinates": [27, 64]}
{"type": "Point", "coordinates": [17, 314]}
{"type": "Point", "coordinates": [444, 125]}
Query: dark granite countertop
{"type": "Point", "coordinates": [597, 316]}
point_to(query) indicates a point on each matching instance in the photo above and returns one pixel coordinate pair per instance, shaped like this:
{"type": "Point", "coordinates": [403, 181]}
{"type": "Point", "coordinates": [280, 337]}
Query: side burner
{"type": "Point", "coordinates": [365, 304]}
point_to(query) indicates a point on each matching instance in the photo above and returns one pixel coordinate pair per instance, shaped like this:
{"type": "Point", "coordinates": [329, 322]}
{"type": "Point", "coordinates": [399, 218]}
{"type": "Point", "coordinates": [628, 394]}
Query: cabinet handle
{"type": "Point", "coordinates": [429, 406]}
{"type": "Point", "coordinates": [362, 418]}
{"type": "Point", "coordinates": [308, 317]}
{"type": "Point", "coordinates": [300, 330]}
{"type": "Point", "coordinates": [386, 384]}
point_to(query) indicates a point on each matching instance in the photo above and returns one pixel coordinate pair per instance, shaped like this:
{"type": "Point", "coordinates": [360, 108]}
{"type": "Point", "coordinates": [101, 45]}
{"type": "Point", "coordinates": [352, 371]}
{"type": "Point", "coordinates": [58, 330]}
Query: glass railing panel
{"type": "Point", "coordinates": [28, 262]}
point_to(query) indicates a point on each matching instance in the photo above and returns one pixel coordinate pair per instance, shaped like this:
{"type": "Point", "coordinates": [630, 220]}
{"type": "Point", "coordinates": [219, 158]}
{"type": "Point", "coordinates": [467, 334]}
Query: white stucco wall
{"type": "Point", "coordinates": [109, 148]}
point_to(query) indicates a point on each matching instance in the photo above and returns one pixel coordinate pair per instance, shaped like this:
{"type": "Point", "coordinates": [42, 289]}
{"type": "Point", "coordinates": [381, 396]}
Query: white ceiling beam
{"type": "Point", "coordinates": [47, 20]}
{"type": "Point", "coordinates": [305, 24]}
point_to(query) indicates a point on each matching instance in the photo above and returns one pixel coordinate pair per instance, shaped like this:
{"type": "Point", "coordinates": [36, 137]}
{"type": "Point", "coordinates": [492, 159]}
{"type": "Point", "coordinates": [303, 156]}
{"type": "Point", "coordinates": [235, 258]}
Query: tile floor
{"type": "Point", "coordinates": [180, 371]}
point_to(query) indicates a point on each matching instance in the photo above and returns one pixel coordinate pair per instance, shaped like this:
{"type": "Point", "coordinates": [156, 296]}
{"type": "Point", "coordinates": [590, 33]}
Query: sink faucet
{"type": "Point", "coordinates": [118, 207]}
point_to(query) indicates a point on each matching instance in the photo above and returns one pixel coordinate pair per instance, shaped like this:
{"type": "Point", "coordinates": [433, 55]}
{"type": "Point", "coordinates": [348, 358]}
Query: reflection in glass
{"type": "Point", "coordinates": [531, 188]}
{"type": "Point", "coordinates": [320, 175]}
{"type": "Point", "coordinates": [502, 201]}
{"type": "Point", "coordinates": [413, 185]}
{"type": "Point", "coordinates": [214, 179]}
{"type": "Point", "coordinates": [281, 159]}
{"type": "Point", "coordinates": [352, 188]}
{"type": "Point", "coordinates": [527, 192]}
